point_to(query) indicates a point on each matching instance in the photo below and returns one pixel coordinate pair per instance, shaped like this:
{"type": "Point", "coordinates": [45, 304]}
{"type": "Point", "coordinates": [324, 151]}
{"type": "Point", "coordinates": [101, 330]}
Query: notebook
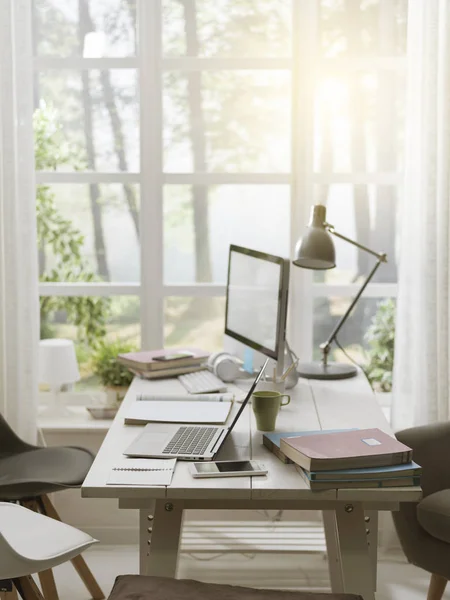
{"type": "Point", "coordinates": [272, 440]}
{"type": "Point", "coordinates": [225, 397]}
{"type": "Point", "coordinates": [167, 372]}
{"type": "Point", "coordinates": [346, 450]}
{"type": "Point", "coordinates": [173, 411]}
{"type": "Point", "coordinates": [142, 472]}
{"type": "Point", "coordinates": [411, 469]}
{"type": "Point", "coordinates": [330, 484]}
{"type": "Point", "coordinates": [145, 361]}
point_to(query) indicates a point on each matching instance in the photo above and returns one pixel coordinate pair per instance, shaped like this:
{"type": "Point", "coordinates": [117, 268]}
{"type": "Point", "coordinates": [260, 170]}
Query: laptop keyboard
{"type": "Point", "coordinates": [190, 440]}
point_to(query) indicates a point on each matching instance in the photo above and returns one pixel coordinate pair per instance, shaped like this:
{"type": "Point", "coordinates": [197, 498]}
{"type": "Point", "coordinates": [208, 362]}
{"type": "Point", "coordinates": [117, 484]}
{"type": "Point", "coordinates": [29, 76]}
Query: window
{"type": "Point", "coordinates": [167, 130]}
{"type": "Point", "coordinates": [357, 155]}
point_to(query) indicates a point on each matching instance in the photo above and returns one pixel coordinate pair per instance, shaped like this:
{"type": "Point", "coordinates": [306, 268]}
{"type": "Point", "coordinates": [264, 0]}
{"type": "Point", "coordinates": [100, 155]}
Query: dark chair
{"type": "Point", "coordinates": [29, 473]}
{"type": "Point", "coordinates": [134, 587]}
{"type": "Point", "coordinates": [424, 528]}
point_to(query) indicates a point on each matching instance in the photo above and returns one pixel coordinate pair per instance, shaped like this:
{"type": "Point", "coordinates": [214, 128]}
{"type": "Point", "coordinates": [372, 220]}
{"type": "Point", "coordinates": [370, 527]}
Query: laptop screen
{"type": "Point", "coordinates": [245, 401]}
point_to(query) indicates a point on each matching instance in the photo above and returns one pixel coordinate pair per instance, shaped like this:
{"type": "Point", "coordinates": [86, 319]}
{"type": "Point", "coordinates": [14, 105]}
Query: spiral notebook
{"type": "Point", "coordinates": [142, 472]}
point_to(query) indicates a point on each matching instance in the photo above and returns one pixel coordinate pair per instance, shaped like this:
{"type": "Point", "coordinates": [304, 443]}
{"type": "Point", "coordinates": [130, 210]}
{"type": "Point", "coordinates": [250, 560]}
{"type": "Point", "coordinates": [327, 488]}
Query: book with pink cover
{"type": "Point", "coordinates": [355, 449]}
{"type": "Point", "coordinates": [145, 361]}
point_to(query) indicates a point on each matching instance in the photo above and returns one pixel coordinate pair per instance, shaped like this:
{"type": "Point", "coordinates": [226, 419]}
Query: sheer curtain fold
{"type": "Point", "coordinates": [421, 372]}
{"type": "Point", "coordinates": [19, 300]}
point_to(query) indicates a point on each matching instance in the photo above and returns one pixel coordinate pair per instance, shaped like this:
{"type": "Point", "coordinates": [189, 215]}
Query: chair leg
{"type": "Point", "coordinates": [78, 562]}
{"type": "Point", "coordinates": [437, 587]}
{"type": "Point", "coordinates": [48, 585]}
{"type": "Point", "coordinates": [12, 595]}
{"type": "Point", "coordinates": [27, 588]}
{"type": "Point", "coordinates": [46, 577]}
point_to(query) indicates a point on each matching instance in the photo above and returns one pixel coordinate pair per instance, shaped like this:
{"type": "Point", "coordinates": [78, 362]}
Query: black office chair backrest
{"type": "Point", "coordinates": [10, 443]}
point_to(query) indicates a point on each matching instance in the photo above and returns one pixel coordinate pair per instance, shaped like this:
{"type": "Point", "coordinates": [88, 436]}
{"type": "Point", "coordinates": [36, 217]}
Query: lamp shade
{"type": "Point", "coordinates": [57, 362]}
{"type": "Point", "coordinates": [316, 249]}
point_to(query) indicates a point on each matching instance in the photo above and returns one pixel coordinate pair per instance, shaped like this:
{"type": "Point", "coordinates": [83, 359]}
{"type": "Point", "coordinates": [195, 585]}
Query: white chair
{"type": "Point", "coordinates": [33, 543]}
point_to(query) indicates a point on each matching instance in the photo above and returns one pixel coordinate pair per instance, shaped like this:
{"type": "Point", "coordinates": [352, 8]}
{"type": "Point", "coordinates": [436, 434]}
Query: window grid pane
{"type": "Point", "coordinates": [243, 132]}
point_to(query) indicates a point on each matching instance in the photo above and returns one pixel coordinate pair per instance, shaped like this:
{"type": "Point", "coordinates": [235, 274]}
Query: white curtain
{"type": "Point", "coordinates": [421, 373]}
{"type": "Point", "coordinates": [19, 302]}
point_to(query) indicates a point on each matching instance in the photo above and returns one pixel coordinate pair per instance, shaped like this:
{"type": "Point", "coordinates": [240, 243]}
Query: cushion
{"type": "Point", "coordinates": [433, 513]}
{"type": "Point", "coordinates": [42, 471]}
{"type": "Point", "coordinates": [141, 587]}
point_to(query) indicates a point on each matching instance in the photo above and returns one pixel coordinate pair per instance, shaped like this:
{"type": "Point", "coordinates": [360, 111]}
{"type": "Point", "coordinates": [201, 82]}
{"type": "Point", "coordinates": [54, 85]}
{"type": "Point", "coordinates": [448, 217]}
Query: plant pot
{"type": "Point", "coordinates": [115, 395]}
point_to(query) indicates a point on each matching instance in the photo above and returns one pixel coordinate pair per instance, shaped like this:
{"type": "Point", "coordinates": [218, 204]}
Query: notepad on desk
{"type": "Point", "coordinates": [142, 472]}
{"type": "Point", "coordinates": [225, 397]}
{"type": "Point", "coordinates": [177, 411]}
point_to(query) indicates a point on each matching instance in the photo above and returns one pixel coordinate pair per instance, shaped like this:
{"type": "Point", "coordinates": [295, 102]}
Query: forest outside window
{"type": "Point", "coordinates": [166, 130]}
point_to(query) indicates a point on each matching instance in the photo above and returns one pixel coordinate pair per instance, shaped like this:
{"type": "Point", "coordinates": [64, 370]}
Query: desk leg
{"type": "Point", "coordinates": [333, 551]}
{"type": "Point", "coordinates": [146, 519]}
{"type": "Point", "coordinates": [371, 519]}
{"type": "Point", "coordinates": [165, 538]}
{"type": "Point", "coordinates": [357, 571]}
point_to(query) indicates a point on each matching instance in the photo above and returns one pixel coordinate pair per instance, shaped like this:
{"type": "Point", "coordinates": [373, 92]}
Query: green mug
{"type": "Point", "coordinates": [266, 406]}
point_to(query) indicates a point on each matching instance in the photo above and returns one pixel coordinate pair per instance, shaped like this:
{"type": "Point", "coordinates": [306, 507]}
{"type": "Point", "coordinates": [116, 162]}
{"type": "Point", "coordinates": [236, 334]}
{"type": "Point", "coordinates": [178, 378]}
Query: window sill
{"type": "Point", "coordinates": [79, 420]}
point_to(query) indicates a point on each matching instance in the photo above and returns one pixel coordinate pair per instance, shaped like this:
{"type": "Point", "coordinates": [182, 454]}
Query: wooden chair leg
{"type": "Point", "coordinates": [46, 577]}
{"type": "Point", "coordinates": [12, 595]}
{"type": "Point", "coordinates": [78, 562]}
{"type": "Point", "coordinates": [437, 587]}
{"type": "Point", "coordinates": [48, 585]}
{"type": "Point", "coordinates": [27, 588]}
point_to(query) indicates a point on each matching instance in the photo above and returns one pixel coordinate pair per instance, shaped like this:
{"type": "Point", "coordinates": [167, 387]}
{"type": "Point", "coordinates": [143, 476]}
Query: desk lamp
{"type": "Point", "coordinates": [316, 251]}
{"type": "Point", "coordinates": [57, 366]}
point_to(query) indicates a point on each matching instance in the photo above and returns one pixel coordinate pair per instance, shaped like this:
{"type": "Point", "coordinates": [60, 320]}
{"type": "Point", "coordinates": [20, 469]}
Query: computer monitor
{"type": "Point", "coordinates": [256, 302]}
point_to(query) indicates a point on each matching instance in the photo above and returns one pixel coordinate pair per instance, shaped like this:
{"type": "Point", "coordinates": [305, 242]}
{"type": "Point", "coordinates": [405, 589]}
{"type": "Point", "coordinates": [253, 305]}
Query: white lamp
{"type": "Point", "coordinates": [57, 366]}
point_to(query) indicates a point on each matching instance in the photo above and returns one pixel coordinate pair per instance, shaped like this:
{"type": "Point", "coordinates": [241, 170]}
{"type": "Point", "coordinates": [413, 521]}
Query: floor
{"type": "Point", "coordinates": [396, 579]}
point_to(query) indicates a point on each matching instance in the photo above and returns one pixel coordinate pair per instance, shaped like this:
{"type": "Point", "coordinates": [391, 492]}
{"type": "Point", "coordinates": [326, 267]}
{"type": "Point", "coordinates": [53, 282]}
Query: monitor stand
{"type": "Point", "coordinates": [289, 358]}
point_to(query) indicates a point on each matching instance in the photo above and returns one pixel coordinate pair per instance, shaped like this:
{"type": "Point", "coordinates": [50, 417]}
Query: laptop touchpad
{"type": "Point", "coordinates": [148, 442]}
{"type": "Point", "coordinates": [157, 438]}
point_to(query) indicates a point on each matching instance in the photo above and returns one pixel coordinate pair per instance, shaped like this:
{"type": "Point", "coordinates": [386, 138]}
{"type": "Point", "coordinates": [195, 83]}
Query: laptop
{"type": "Point", "coordinates": [188, 442]}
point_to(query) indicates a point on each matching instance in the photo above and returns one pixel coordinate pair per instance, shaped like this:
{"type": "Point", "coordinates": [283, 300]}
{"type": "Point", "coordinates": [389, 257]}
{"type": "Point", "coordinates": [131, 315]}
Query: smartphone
{"type": "Point", "coordinates": [227, 468]}
{"type": "Point", "coordinates": [174, 356]}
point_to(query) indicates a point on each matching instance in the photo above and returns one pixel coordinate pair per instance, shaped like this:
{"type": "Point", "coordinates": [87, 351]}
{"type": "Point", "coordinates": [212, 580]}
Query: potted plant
{"type": "Point", "coordinates": [115, 377]}
{"type": "Point", "coordinates": [380, 338]}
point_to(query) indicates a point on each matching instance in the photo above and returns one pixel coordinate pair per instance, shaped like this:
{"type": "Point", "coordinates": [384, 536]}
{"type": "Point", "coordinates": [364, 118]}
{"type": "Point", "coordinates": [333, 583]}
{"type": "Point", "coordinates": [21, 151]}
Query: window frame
{"type": "Point", "coordinates": [151, 65]}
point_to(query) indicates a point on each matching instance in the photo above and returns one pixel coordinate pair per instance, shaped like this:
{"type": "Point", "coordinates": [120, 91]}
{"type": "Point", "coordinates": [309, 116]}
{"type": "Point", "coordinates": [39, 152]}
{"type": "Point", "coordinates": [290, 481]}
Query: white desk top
{"type": "Point", "coordinates": [314, 405]}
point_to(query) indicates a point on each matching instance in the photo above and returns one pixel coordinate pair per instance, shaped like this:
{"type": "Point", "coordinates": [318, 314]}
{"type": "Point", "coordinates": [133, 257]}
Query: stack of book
{"type": "Point", "coordinates": [158, 364]}
{"type": "Point", "coordinates": [353, 458]}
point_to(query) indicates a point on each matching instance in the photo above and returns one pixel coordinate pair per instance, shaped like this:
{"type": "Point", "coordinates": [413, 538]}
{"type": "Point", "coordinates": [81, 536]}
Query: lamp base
{"type": "Point", "coordinates": [317, 370]}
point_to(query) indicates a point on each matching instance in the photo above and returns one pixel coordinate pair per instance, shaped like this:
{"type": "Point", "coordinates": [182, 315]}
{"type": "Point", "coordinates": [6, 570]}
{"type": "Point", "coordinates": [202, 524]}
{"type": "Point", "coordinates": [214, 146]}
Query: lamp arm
{"type": "Point", "coordinates": [325, 347]}
{"type": "Point", "coordinates": [380, 255]}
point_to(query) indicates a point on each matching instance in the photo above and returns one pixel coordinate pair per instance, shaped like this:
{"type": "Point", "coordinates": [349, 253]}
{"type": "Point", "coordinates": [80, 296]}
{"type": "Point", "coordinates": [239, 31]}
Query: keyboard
{"type": "Point", "coordinates": [202, 382]}
{"type": "Point", "coordinates": [190, 440]}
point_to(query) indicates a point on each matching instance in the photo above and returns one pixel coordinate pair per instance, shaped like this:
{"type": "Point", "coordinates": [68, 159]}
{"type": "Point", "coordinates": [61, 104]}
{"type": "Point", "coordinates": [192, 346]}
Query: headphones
{"type": "Point", "coordinates": [225, 366]}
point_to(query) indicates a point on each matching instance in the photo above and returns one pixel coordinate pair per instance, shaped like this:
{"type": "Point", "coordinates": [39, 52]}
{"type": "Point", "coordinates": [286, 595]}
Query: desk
{"type": "Point", "coordinates": [350, 516]}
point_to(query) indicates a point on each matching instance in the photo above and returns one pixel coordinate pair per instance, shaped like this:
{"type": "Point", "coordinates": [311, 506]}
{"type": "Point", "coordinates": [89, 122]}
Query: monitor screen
{"type": "Point", "coordinates": [256, 299]}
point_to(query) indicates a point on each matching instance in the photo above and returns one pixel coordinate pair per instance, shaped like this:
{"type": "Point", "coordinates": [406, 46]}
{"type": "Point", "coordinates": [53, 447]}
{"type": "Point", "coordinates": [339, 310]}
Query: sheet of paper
{"type": "Point", "coordinates": [228, 397]}
{"type": "Point", "coordinates": [178, 412]}
{"type": "Point", "coordinates": [142, 472]}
